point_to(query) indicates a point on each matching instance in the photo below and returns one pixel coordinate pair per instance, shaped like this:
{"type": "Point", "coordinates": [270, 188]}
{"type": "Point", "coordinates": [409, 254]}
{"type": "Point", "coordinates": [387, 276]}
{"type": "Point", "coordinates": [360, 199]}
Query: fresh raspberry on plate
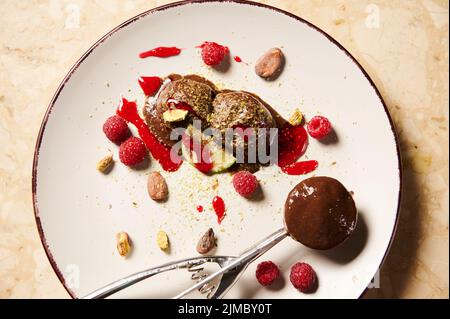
{"type": "Point", "coordinates": [213, 53]}
{"type": "Point", "coordinates": [132, 151]}
{"type": "Point", "coordinates": [245, 183]}
{"type": "Point", "coordinates": [303, 277]}
{"type": "Point", "coordinates": [319, 127]}
{"type": "Point", "coordinates": [267, 272]}
{"type": "Point", "coordinates": [116, 129]}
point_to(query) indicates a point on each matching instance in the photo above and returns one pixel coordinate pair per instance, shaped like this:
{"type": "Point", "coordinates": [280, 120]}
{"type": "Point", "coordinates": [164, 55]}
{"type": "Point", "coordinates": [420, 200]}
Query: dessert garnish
{"type": "Point", "coordinates": [116, 129]}
{"type": "Point", "coordinates": [296, 118]}
{"type": "Point", "coordinates": [207, 242]}
{"type": "Point", "coordinates": [292, 144]}
{"type": "Point", "coordinates": [267, 272]}
{"type": "Point", "coordinates": [303, 277]}
{"type": "Point", "coordinates": [150, 84]}
{"type": "Point", "coordinates": [199, 208]}
{"type": "Point", "coordinates": [300, 168]}
{"type": "Point", "coordinates": [245, 183]}
{"type": "Point", "coordinates": [105, 163]}
{"type": "Point", "coordinates": [270, 65]}
{"type": "Point", "coordinates": [161, 52]}
{"type": "Point", "coordinates": [319, 127]}
{"type": "Point", "coordinates": [320, 213]}
{"type": "Point", "coordinates": [162, 240]}
{"type": "Point", "coordinates": [213, 53]}
{"type": "Point", "coordinates": [157, 187]}
{"type": "Point", "coordinates": [132, 152]}
{"type": "Point", "coordinates": [123, 244]}
{"type": "Point", "coordinates": [219, 208]}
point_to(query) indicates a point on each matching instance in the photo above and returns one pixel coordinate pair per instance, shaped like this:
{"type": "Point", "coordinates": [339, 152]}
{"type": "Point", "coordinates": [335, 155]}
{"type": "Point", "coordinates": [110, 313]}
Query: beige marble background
{"type": "Point", "coordinates": [405, 51]}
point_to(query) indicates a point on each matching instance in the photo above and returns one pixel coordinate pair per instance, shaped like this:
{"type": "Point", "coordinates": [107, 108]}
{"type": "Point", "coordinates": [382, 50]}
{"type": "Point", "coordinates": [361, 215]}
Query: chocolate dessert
{"type": "Point", "coordinates": [320, 213]}
{"type": "Point", "coordinates": [239, 109]}
{"type": "Point", "coordinates": [185, 98]}
{"type": "Point", "coordinates": [191, 93]}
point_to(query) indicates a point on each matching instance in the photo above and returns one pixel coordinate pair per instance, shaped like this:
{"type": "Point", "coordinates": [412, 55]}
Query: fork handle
{"type": "Point", "coordinates": [128, 281]}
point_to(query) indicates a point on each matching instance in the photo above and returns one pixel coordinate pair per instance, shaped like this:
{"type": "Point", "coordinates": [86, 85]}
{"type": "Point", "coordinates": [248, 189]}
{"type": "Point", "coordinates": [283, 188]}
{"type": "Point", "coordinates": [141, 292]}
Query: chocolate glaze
{"type": "Point", "coordinates": [320, 213]}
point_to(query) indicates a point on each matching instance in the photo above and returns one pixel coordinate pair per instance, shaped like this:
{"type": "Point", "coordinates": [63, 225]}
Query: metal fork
{"type": "Point", "coordinates": [236, 266]}
{"type": "Point", "coordinates": [231, 269]}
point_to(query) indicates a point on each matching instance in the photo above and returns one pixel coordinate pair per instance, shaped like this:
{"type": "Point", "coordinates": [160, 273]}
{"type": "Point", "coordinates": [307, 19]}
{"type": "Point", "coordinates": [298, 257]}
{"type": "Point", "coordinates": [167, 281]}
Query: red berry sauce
{"type": "Point", "coordinates": [219, 208]}
{"type": "Point", "coordinates": [161, 52]}
{"type": "Point", "coordinates": [200, 208]}
{"type": "Point", "coordinates": [293, 141]}
{"type": "Point", "coordinates": [178, 105]}
{"type": "Point", "coordinates": [300, 168]}
{"type": "Point", "coordinates": [237, 59]}
{"type": "Point", "coordinates": [150, 84]}
{"type": "Point", "coordinates": [128, 111]}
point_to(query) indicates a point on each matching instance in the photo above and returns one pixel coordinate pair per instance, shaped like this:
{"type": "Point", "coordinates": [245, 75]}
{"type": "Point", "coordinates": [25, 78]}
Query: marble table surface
{"type": "Point", "coordinates": [402, 44]}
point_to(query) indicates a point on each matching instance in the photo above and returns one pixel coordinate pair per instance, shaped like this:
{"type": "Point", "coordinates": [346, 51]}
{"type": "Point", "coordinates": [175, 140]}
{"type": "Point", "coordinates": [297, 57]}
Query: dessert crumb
{"type": "Point", "coordinates": [215, 184]}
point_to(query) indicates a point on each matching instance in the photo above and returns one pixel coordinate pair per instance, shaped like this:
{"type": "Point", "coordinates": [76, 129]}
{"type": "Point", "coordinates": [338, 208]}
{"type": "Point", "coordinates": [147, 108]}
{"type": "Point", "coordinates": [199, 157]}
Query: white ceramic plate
{"type": "Point", "coordinates": [79, 211]}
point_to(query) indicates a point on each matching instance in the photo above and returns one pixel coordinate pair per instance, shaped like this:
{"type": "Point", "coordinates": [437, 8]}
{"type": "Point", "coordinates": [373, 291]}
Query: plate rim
{"type": "Point", "coordinates": [170, 6]}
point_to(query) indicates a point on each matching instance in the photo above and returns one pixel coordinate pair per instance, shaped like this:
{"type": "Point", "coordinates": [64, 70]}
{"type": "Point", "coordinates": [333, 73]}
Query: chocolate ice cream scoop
{"type": "Point", "coordinates": [320, 213]}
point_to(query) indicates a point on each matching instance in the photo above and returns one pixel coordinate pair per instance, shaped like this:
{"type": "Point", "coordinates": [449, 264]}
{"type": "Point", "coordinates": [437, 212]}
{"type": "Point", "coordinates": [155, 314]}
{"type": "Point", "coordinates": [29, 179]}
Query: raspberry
{"type": "Point", "coordinates": [267, 272]}
{"type": "Point", "coordinates": [303, 277]}
{"type": "Point", "coordinates": [213, 53]}
{"type": "Point", "coordinates": [132, 151]}
{"type": "Point", "coordinates": [116, 129]}
{"type": "Point", "coordinates": [319, 127]}
{"type": "Point", "coordinates": [245, 183]}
